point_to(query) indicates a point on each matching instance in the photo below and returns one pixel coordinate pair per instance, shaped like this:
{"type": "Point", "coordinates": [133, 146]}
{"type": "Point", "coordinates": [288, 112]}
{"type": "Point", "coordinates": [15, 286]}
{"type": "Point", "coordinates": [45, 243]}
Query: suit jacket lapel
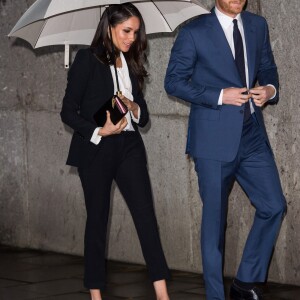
{"type": "Point", "coordinates": [250, 38]}
{"type": "Point", "coordinates": [134, 83]}
{"type": "Point", "coordinates": [219, 39]}
{"type": "Point", "coordinates": [218, 35]}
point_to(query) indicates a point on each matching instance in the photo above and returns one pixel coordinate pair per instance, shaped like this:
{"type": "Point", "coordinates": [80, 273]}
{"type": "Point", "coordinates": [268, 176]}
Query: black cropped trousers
{"type": "Point", "coordinates": [121, 158]}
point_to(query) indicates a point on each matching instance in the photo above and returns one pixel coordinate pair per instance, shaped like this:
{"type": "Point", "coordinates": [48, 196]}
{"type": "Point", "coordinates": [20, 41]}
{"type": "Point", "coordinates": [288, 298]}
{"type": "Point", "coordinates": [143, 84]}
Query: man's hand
{"type": "Point", "coordinates": [235, 96]}
{"type": "Point", "coordinates": [262, 94]}
{"type": "Point", "coordinates": [109, 128]}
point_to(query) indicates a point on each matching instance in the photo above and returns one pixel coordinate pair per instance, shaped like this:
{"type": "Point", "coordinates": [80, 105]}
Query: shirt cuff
{"type": "Point", "coordinates": [275, 91]}
{"type": "Point", "coordinates": [96, 138]}
{"type": "Point", "coordinates": [136, 120]}
{"type": "Point", "coordinates": [220, 102]}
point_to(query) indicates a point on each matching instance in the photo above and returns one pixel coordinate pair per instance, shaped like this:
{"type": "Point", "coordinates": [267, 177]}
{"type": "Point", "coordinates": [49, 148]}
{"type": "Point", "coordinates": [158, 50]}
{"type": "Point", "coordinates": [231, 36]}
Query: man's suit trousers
{"type": "Point", "coordinates": [255, 170]}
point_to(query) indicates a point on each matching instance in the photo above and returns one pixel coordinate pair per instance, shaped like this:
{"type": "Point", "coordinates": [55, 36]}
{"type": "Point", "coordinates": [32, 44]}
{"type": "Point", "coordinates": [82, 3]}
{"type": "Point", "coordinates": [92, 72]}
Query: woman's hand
{"type": "Point", "coordinates": [131, 105]}
{"type": "Point", "coordinates": [109, 128]}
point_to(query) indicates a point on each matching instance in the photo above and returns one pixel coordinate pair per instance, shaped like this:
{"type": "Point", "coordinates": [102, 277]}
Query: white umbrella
{"type": "Point", "coordinates": [74, 22]}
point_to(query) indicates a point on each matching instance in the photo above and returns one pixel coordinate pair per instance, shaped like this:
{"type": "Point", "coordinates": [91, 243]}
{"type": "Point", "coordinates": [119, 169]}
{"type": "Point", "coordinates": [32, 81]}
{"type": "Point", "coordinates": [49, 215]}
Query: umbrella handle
{"type": "Point", "coordinates": [67, 56]}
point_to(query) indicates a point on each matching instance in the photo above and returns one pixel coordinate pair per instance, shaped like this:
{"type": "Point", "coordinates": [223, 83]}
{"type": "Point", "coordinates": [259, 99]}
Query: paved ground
{"type": "Point", "coordinates": [29, 274]}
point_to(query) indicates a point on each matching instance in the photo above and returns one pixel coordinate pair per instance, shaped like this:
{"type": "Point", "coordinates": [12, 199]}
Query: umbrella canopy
{"type": "Point", "coordinates": [74, 22]}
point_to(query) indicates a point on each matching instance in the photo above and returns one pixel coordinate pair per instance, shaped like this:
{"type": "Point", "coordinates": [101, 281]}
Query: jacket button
{"type": "Point", "coordinates": [241, 111]}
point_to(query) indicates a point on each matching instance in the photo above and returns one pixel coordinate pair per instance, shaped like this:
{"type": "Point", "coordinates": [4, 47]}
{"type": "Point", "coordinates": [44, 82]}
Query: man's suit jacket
{"type": "Point", "coordinates": [90, 85]}
{"type": "Point", "coordinates": [201, 65]}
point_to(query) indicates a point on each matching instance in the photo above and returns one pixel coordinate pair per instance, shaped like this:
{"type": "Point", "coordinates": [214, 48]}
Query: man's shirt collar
{"type": "Point", "coordinates": [225, 20]}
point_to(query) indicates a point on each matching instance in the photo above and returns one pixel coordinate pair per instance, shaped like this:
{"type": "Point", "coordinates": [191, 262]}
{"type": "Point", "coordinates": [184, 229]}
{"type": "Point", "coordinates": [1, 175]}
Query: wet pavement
{"type": "Point", "coordinates": [30, 274]}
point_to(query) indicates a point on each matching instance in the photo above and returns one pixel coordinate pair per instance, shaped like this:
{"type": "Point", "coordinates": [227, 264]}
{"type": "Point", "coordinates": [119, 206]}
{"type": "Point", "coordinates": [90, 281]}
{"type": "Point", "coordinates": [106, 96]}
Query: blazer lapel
{"type": "Point", "coordinates": [219, 39]}
{"type": "Point", "coordinates": [134, 84]}
{"type": "Point", "coordinates": [250, 38]}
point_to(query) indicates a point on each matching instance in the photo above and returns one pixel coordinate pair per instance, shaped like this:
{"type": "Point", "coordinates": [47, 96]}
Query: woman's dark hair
{"type": "Point", "coordinates": [101, 44]}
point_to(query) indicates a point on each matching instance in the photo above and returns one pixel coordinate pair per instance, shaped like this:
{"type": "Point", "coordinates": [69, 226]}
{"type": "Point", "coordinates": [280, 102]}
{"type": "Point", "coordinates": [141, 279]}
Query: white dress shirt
{"type": "Point", "coordinates": [227, 26]}
{"type": "Point", "coordinates": [126, 89]}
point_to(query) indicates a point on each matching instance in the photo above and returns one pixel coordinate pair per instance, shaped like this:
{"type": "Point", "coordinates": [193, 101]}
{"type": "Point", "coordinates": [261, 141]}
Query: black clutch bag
{"type": "Point", "coordinates": [116, 108]}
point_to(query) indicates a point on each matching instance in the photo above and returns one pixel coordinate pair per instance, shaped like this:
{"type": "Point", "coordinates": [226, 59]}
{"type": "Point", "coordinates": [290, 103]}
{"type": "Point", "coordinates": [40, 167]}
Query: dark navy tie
{"type": "Point", "coordinates": [240, 62]}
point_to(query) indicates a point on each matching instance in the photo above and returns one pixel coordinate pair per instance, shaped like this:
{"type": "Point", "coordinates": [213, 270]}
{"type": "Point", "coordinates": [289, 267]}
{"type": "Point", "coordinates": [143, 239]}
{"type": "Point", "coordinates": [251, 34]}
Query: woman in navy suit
{"type": "Point", "coordinates": [113, 152]}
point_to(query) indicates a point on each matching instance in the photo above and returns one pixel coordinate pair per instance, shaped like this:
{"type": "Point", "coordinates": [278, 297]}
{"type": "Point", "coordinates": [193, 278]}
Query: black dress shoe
{"type": "Point", "coordinates": [238, 293]}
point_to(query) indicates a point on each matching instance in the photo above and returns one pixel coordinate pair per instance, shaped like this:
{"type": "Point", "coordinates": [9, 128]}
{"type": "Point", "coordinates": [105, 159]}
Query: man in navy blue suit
{"type": "Point", "coordinates": [222, 64]}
